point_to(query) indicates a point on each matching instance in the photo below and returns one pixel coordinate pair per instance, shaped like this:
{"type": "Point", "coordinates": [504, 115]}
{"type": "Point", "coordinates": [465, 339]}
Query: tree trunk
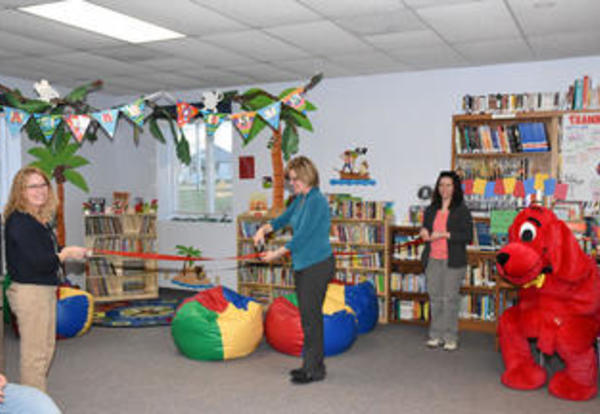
{"type": "Point", "coordinates": [277, 163]}
{"type": "Point", "coordinates": [60, 214]}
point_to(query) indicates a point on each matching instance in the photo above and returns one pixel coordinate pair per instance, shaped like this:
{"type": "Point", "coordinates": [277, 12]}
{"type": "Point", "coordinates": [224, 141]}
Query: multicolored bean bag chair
{"type": "Point", "coordinates": [283, 328]}
{"type": "Point", "coordinates": [362, 298]}
{"type": "Point", "coordinates": [74, 312]}
{"type": "Point", "coordinates": [217, 324]}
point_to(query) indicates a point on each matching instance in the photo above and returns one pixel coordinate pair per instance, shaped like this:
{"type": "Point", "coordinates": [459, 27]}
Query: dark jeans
{"type": "Point", "coordinates": [311, 285]}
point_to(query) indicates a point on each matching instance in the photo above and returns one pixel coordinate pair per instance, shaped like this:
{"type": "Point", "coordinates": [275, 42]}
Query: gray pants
{"type": "Point", "coordinates": [311, 286]}
{"type": "Point", "coordinates": [443, 286]}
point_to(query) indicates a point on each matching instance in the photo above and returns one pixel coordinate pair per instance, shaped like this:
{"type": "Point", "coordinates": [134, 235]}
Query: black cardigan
{"type": "Point", "coordinates": [30, 253]}
{"type": "Point", "coordinates": [460, 227]}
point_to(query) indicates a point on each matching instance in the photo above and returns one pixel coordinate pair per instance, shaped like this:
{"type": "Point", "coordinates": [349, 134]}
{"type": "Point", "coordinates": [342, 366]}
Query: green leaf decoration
{"type": "Point", "coordinates": [78, 94]}
{"type": "Point", "coordinates": [76, 161]}
{"type": "Point", "coordinates": [155, 130]}
{"type": "Point", "coordinates": [47, 168]}
{"type": "Point", "coordinates": [34, 132]}
{"type": "Point", "coordinates": [310, 107]}
{"type": "Point", "coordinates": [182, 148]}
{"type": "Point", "coordinates": [42, 153]}
{"type": "Point", "coordinates": [299, 119]}
{"type": "Point", "coordinates": [289, 141]}
{"type": "Point", "coordinates": [258, 125]}
{"type": "Point", "coordinates": [136, 135]}
{"type": "Point", "coordinates": [76, 179]}
{"type": "Point", "coordinates": [286, 92]}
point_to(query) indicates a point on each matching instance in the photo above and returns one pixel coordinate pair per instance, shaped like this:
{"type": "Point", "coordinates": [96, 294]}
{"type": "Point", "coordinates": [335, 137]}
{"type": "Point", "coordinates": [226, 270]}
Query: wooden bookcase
{"type": "Point", "coordinates": [114, 278]}
{"type": "Point", "coordinates": [368, 237]}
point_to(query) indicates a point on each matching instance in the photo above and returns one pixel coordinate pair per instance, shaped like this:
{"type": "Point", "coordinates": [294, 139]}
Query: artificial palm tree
{"type": "Point", "coordinates": [283, 144]}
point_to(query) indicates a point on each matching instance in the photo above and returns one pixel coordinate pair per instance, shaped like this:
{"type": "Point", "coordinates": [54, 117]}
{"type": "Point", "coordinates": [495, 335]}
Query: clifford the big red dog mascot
{"type": "Point", "coordinates": [559, 305]}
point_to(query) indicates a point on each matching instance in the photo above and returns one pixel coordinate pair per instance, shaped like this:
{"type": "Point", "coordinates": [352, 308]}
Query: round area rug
{"type": "Point", "coordinates": [138, 314]}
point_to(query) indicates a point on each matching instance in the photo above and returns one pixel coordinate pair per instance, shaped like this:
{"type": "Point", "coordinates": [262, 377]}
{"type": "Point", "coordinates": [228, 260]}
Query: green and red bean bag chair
{"type": "Point", "coordinates": [217, 324]}
{"type": "Point", "coordinates": [283, 328]}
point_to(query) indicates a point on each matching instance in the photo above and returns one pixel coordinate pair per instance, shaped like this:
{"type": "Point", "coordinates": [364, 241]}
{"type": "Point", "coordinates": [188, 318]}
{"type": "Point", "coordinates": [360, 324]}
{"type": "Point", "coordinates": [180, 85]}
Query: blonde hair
{"type": "Point", "coordinates": [305, 170]}
{"type": "Point", "coordinates": [18, 202]}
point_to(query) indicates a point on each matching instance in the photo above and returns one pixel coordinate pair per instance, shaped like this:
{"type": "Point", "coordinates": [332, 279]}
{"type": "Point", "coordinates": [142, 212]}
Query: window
{"type": "Point", "coordinates": [205, 187]}
{"type": "Point", "coordinates": [10, 159]}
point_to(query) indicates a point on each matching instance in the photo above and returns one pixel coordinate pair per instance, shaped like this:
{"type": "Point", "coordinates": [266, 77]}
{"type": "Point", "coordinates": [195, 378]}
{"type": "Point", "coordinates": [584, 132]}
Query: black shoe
{"type": "Point", "coordinates": [305, 378]}
{"type": "Point", "coordinates": [296, 372]}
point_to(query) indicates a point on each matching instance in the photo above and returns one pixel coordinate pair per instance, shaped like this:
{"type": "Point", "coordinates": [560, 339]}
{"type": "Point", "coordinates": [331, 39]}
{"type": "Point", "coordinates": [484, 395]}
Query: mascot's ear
{"type": "Point", "coordinates": [568, 260]}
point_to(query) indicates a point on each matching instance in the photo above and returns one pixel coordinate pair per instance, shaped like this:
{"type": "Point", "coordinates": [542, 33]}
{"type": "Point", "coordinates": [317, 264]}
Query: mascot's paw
{"type": "Point", "coordinates": [526, 376]}
{"type": "Point", "coordinates": [563, 386]}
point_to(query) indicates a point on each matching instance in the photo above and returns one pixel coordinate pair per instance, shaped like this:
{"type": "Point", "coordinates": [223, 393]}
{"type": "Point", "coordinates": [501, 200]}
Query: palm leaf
{"type": "Point", "coordinates": [297, 118]}
{"type": "Point", "coordinates": [155, 130]}
{"type": "Point", "coordinates": [76, 161]}
{"type": "Point", "coordinates": [289, 141]}
{"type": "Point", "coordinates": [47, 168]}
{"type": "Point", "coordinates": [42, 153]}
{"type": "Point", "coordinates": [76, 179]}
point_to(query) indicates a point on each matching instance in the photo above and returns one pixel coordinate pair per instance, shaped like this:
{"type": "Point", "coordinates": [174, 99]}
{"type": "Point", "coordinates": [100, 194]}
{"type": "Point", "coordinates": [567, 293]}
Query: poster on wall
{"type": "Point", "coordinates": [580, 150]}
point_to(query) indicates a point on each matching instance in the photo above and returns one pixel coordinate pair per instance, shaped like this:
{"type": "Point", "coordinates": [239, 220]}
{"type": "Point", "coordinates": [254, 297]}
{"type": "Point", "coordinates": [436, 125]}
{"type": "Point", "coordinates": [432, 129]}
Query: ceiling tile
{"type": "Point", "coordinates": [311, 66]}
{"type": "Point", "coordinates": [262, 13]}
{"type": "Point", "coordinates": [131, 83]}
{"type": "Point", "coordinates": [538, 17]}
{"type": "Point", "coordinates": [371, 62]}
{"type": "Point", "coordinates": [169, 80]}
{"type": "Point", "coordinates": [428, 58]}
{"type": "Point", "coordinates": [257, 44]}
{"type": "Point", "coordinates": [91, 61]}
{"type": "Point", "coordinates": [495, 51]}
{"type": "Point", "coordinates": [417, 4]}
{"type": "Point", "coordinates": [217, 77]}
{"type": "Point", "coordinates": [183, 16]}
{"type": "Point", "coordinates": [199, 51]}
{"type": "Point", "coordinates": [306, 36]}
{"type": "Point", "coordinates": [561, 45]}
{"type": "Point", "coordinates": [267, 73]}
{"type": "Point", "coordinates": [405, 40]}
{"type": "Point", "coordinates": [372, 24]}
{"type": "Point", "coordinates": [60, 34]}
{"type": "Point", "coordinates": [27, 46]}
{"type": "Point", "coordinates": [489, 19]}
{"type": "Point", "coordinates": [339, 8]}
{"type": "Point", "coordinates": [174, 64]}
{"type": "Point", "coordinates": [20, 3]}
{"type": "Point", "coordinates": [130, 53]}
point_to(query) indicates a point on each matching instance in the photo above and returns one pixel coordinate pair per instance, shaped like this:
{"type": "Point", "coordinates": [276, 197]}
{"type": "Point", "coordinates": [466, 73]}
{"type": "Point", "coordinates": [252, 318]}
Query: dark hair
{"type": "Point", "coordinates": [457, 192]}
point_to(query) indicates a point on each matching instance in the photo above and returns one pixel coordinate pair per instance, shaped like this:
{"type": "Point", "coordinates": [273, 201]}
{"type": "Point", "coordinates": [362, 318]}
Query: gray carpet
{"type": "Point", "coordinates": [139, 370]}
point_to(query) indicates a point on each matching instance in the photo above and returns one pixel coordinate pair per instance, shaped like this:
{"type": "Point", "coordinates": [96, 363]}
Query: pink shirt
{"type": "Point", "coordinates": [439, 247]}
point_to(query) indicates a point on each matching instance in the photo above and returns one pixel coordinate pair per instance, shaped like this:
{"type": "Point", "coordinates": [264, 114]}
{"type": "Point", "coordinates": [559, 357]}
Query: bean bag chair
{"type": "Point", "coordinates": [283, 328]}
{"type": "Point", "coordinates": [74, 312]}
{"type": "Point", "coordinates": [217, 324]}
{"type": "Point", "coordinates": [362, 298]}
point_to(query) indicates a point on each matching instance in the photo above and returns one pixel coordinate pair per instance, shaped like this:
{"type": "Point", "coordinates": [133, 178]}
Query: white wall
{"type": "Point", "coordinates": [404, 119]}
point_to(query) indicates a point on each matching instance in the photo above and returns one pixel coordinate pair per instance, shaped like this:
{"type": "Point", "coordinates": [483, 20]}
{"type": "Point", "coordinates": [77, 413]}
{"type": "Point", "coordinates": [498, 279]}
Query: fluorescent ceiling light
{"type": "Point", "coordinates": [101, 20]}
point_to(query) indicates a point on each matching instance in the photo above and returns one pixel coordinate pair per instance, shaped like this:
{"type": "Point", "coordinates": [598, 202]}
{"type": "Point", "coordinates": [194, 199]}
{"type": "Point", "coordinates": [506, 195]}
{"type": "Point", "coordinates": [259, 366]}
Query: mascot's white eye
{"type": "Point", "coordinates": [527, 232]}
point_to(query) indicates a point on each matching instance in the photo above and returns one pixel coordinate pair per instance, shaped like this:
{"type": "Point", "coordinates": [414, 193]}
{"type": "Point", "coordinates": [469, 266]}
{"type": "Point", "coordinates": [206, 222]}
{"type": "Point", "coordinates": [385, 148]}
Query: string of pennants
{"type": "Point", "coordinates": [107, 118]}
{"type": "Point", "coordinates": [244, 120]}
{"type": "Point", "coordinates": [78, 123]}
{"type": "Point", "coordinates": [541, 184]}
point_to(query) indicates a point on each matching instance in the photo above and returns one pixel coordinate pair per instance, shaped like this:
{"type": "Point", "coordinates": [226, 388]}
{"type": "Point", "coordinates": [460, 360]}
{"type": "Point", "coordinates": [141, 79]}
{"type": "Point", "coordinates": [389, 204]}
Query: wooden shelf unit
{"type": "Point", "coordinates": [113, 278]}
{"type": "Point", "coordinates": [265, 281]}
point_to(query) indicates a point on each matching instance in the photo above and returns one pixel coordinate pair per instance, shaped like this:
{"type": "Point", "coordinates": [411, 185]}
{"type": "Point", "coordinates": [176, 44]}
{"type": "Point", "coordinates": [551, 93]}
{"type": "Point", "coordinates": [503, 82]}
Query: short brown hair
{"type": "Point", "coordinates": [17, 201]}
{"type": "Point", "coordinates": [305, 170]}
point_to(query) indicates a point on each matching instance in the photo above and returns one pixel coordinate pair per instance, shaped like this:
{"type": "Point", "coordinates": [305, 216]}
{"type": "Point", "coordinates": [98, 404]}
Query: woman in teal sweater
{"type": "Point", "coordinates": [312, 260]}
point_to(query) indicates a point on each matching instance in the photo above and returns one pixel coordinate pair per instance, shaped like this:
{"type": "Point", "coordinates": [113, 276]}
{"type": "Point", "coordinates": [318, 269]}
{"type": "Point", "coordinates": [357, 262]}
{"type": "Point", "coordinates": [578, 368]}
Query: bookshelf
{"type": "Point", "coordinates": [365, 235]}
{"type": "Point", "coordinates": [114, 278]}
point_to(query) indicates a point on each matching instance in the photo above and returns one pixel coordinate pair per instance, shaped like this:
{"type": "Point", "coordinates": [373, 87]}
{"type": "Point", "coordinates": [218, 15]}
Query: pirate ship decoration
{"type": "Point", "coordinates": [355, 168]}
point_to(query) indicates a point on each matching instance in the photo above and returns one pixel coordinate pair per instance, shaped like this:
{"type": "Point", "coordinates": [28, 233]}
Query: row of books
{"type": "Point", "coordinates": [124, 244]}
{"type": "Point", "coordinates": [508, 138]}
{"type": "Point", "coordinates": [362, 258]}
{"type": "Point", "coordinates": [514, 102]}
{"type": "Point", "coordinates": [275, 275]}
{"type": "Point", "coordinates": [582, 94]}
{"type": "Point", "coordinates": [409, 310]}
{"type": "Point", "coordinates": [481, 275]}
{"type": "Point", "coordinates": [139, 224]}
{"type": "Point", "coordinates": [408, 282]}
{"type": "Point", "coordinates": [407, 252]}
{"type": "Point", "coordinates": [359, 233]}
{"type": "Point", "coordinates": [476, 306]}
{"type": "Point", "coordinates": [350, 207]}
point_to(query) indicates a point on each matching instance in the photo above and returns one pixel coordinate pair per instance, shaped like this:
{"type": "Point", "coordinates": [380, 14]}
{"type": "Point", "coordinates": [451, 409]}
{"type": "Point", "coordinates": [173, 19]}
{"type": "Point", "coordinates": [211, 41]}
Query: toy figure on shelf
{"type": "Point", "coordinates": [258, 204]}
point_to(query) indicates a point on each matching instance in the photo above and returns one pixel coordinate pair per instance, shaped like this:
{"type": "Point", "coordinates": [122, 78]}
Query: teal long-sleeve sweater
{"type": "Point", "coordinates": [310, 220]}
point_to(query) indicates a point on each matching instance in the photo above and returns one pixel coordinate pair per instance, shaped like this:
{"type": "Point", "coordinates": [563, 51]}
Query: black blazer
{"type": "Point", "coordinates": [460, 227]}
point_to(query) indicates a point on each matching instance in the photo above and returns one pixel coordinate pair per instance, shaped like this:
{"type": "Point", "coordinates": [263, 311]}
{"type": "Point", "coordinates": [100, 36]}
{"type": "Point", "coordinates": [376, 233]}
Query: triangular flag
{"type": "Point", "coordinates": [271, 114]}
{"type": "Point", "coordinates": [549, 186]}
{"type": "Point", "coordinates": [468, 186]}
{"type": "Point", "coordinates": [499, 187]}
{"type": "Point", "coordinates": [489, 189]}
{"type": "Point", "coordinates": [135, 111]}
{"type": "Point", "coordinates": [509, 185]}
{"type": "Point", "coordinates": [212, 122]}
{"type": "Point", "coordinates": [15, 118]}
{"type": "Point", "coordinates": [529, 185]}
{"type": "Point", "coordinates": [479, 186]}
{"type": "Point", "coordinates": [48, 124]}
{"type": "Point", "coordinates": [561, 191]}
{"type": "Point", "coordinates": [296, 100]}
{"type": "Point", "coordinates": [519, 189]}
{"type": "Point", "coordinates": [185, 113]}
{"type": "Point", "coordinates": [78, 124]}
{"type": "Point", "coordinates": [107, 120]}
{"type": "Point", "coordinates": [539, 181]}
{"type": "Point", "coordinates": [243, 121]}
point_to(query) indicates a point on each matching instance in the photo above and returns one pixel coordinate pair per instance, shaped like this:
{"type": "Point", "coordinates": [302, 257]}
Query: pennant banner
{"type": "Point", "coordinates": [107, 120]}
{"type": "Point", "coordinates": [48, 124]}
{"type": "Point", "coordinates": [185, 113]}
{"type": "Point", "coordinates": [135, 111]}
{"type": "Point", "coordinates": [213, 121]}
{"type": "Point", "coordinates": [296, 100]}
{"type": "Point", "coordinates": [271, 114]}
{"type": "Point", "coordinates": [243, 121]}
{"type": "Point", "coordinates": [78, 124]}
{"type": "Point", "coordinates": [15, 119]}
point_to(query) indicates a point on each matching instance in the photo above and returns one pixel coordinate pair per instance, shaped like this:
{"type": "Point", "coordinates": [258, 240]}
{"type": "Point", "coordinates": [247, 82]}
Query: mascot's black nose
{"type": "Point", "coordinates": [502, 258]}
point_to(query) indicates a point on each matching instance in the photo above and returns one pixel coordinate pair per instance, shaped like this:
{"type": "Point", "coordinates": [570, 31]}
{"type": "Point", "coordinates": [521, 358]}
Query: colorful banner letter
{"type": "Point", "coordinates": [107, 120]}
{"type": "Point", "coordinates": [213, 121]}
{"type": "Point", "coordinates": [271, 114]}
{"type": "Point", "coordinates": [185, 113]}
{"type": "Point", "coordinates": [135, 111]}
{"type": "Point", "coordinates": [243, 121]}
{"type": "Point", "coordinates": [78, 124]}
{"type": "Point", "coordinates": [15, 119]}
{"type": "Point", "coordinates": [48, 124]}
{"type": "Point", "coordinates": [296, 100]}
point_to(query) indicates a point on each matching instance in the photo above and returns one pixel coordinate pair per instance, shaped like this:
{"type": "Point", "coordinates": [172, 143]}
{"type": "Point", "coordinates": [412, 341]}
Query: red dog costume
{"type": "Point", "coordinates": [559, 304]}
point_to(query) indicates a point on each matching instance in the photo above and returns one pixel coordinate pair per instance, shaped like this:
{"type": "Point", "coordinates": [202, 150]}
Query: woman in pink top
{"type": "Point", "coordinates": [447, 230]}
